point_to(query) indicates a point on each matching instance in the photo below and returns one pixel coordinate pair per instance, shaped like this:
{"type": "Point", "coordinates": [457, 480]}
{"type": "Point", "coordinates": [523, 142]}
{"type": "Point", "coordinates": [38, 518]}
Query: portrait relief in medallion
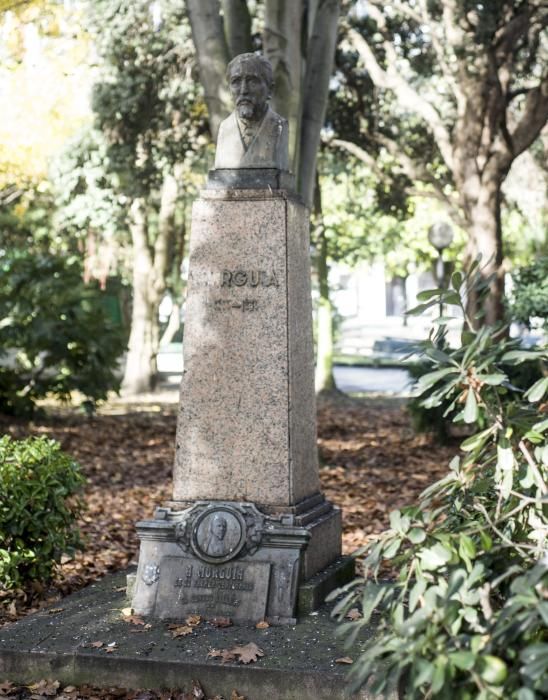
{"type": "Point", "coordinates": [218, 535]}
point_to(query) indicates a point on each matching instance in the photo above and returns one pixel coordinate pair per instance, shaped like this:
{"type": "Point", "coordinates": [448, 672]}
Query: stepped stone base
{"type": "Point", "coordinates": [252, 571]}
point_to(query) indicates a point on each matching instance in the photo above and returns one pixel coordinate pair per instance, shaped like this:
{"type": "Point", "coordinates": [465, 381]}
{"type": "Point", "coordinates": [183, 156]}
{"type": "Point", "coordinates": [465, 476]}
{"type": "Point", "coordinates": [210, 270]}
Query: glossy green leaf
{"type": "Point", "coordinates": [416, 592]}
{"type": "Point", "coordinates": [464, 660]}
{"type": "Point", "coordinates": [492, 669]}
{"type": "Point", "coordinates": [493, 379]}
{"type": "Point", "coordinates": [470, 414]}
{"type": "Point", "coordinates": [416, 535]}
{"type": "Point", "coordinates": [537, 391]}
{"type": "Point", "coordinates": [429, 294]}
{"type": "Point", "coordinates": [477, 440]}
{"type": "Point", "coordinates": [434, 557]}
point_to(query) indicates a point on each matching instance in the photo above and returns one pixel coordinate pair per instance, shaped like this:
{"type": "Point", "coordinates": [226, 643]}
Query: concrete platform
{"type": "Point", "coordinates": [298, 663]}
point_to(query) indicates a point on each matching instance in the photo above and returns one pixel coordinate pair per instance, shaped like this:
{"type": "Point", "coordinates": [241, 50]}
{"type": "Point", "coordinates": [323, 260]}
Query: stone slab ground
{"type": "Point", "coordinates": [298, 662]}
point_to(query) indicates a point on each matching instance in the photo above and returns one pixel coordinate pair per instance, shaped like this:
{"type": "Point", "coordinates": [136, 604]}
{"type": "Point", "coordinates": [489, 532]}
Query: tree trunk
{"type": "Point", "coordinates": [173, 325]}
{"type": "Point", "coordinates": [212, 52]}
{"type": "Point", "coordinates": [485, 237]}
{"type": "Point", "coordinates": [150, 264]}
{"type": "Point", "coordinates": [319, 67]}
{"type": "Point", "coordinates": [237, 24]}
{"type": "Point", "coordinates": [324, 379]}
{"type": "Point", "coordinates": [282, 46]}
{"type": "Point", "coordinates": [140, 368]}
{"type": "Point", "coordinates": [490, 127]}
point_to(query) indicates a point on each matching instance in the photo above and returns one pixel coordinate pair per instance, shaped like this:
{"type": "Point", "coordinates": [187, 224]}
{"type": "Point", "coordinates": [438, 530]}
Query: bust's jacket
{"type": "Point", "coordinates": [268, 148]}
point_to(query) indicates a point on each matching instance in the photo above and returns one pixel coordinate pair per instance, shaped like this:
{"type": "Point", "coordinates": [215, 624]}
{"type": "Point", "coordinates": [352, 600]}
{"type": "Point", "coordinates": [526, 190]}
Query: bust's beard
{"type": "Point", "coordinates": [247, 111]}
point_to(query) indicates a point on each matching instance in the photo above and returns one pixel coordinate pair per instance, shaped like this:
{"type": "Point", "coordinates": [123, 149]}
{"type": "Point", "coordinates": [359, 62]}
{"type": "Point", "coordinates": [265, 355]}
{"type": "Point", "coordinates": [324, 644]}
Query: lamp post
{"type": "Point", "coordinates": [440, 236]}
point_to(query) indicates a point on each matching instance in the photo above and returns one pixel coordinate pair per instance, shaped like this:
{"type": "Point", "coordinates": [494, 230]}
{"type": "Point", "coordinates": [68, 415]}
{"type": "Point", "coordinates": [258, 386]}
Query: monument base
{"type": "Point", "coordinates": [258, 566]}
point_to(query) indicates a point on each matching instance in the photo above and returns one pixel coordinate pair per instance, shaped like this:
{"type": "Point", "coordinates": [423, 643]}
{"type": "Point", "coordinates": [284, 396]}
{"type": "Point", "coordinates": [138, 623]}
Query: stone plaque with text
{"type": "Point", "coordinates": [238, 590]}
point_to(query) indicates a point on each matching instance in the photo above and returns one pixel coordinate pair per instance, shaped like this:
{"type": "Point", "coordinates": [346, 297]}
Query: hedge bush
{"type": "Point", "coordinates": [55, 336]}
{"type": "Point", "coordinates": [39, 504]}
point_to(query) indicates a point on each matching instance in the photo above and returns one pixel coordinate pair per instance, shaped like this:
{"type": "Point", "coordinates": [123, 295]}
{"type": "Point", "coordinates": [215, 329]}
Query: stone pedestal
{"type": "Point", "coordinates": [247, 524]}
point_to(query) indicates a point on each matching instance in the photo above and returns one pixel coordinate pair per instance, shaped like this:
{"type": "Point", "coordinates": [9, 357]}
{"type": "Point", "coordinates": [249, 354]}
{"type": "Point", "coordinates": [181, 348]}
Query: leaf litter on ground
{"type": "Point", "coordinates": [371, 463]}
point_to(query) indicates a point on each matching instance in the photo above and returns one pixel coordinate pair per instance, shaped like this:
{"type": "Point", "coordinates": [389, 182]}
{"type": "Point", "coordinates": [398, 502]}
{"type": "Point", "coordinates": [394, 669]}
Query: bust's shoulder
{"type": "Point", "coordinates": [228, 122]}
{"type": "Point", "coordinates": [276, 118]}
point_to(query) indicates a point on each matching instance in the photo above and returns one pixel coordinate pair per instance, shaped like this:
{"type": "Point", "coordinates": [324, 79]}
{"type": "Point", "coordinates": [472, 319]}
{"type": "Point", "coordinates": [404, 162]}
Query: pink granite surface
{"type": "Point", "coordinates": [246, 428]}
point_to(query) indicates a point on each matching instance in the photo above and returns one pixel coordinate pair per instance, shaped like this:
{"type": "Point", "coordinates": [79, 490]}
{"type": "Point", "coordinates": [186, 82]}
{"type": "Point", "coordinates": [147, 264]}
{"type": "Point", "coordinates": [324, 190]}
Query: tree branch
{"type": "Point", "coordinates": [319, 66]}
{"type": "Point", "coordinates": [282, 46]}
{"type": "Point", "coordinates": [535, 115]}
{"type": "Point", "coordinates": [237, 21]}
{"type": "Point", "coordinates": [360, 154]}
{"type": "Point", "coordinates": [412, 171]}
{"type": "Point", "coordinates": [409, 98]}
{"type": "Point", "coordinates": [212, 52]}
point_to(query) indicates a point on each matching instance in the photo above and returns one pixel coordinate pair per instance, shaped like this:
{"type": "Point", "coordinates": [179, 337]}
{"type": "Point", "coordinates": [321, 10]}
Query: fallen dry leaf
{"type": "Point", "coordinates": [262, 625]}
{"type": "Point", "coordinates": [69, 689]}
{"type": "Point", "coordinates": [223, 654]}
{"type": "Point", "coordinates": [180, 630]}
{"type": "Point", "coordinates": [46, 687]}
{"type": "Point", "coordinates": [54, 611]}
{"type": "Point", "coordinates": [6, 687]}
{"type": "Point", "coordinates": [197, 691]}
{"type": "Point", "coordinates": [135, 620]}
{"type": "Point", "coordinates": [344, 660]}
{"type": "Point", "coordinates": [193, 620]}
{"type": "Point", "coordinates": [221, 621]}
{"type": "Point", "coordinates": [353, 614]}
{"type": "Point", "coordinates": [126, 612]}
{"type": "Point", "coordinates": [235, 696]}
{"type": "Point", "coordinates": [97, 645]}
{"type": "Point", "coordinates": [247, 653]}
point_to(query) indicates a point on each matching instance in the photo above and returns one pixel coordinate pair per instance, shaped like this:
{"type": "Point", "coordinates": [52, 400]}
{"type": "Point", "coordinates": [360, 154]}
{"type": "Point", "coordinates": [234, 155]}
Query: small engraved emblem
{"type": "Point", "coordinates": [151, 574]}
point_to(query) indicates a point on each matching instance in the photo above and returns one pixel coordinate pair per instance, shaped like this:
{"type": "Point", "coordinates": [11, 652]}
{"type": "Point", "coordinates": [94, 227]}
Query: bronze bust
{"type": "Point", "coordinates": [253, 136]}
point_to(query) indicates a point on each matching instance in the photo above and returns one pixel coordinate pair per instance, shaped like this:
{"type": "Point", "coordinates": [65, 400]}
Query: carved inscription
{"type": "Point", "coordinates": [227, 304]}
{"type": "Point", "coordinates": [217, 577]}
{"type": "Point", "coordinates": [239, 591]}
{"type": "Point", "coordinates": [248, 278]}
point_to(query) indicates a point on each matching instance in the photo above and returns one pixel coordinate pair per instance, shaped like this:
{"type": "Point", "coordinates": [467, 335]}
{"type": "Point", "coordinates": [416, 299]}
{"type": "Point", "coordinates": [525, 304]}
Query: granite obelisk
{"type": "Point", "coordinates": [248, 526]}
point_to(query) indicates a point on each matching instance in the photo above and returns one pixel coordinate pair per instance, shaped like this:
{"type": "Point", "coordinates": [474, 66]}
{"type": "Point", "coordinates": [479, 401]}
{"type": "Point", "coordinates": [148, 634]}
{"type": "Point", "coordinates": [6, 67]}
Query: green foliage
{"type": "Point", "coordinates": [467, 616]}
{"type": "Point", "coordinates": [39, 485]}
{"type": "Point", "coordinates": [146, 102]}
{"type": "Point", "coordinates": [55, 335]}
{"type": "Point", "coordinates": [429, 411]}
{"type": "Point", "coordinates": [530, 293]}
